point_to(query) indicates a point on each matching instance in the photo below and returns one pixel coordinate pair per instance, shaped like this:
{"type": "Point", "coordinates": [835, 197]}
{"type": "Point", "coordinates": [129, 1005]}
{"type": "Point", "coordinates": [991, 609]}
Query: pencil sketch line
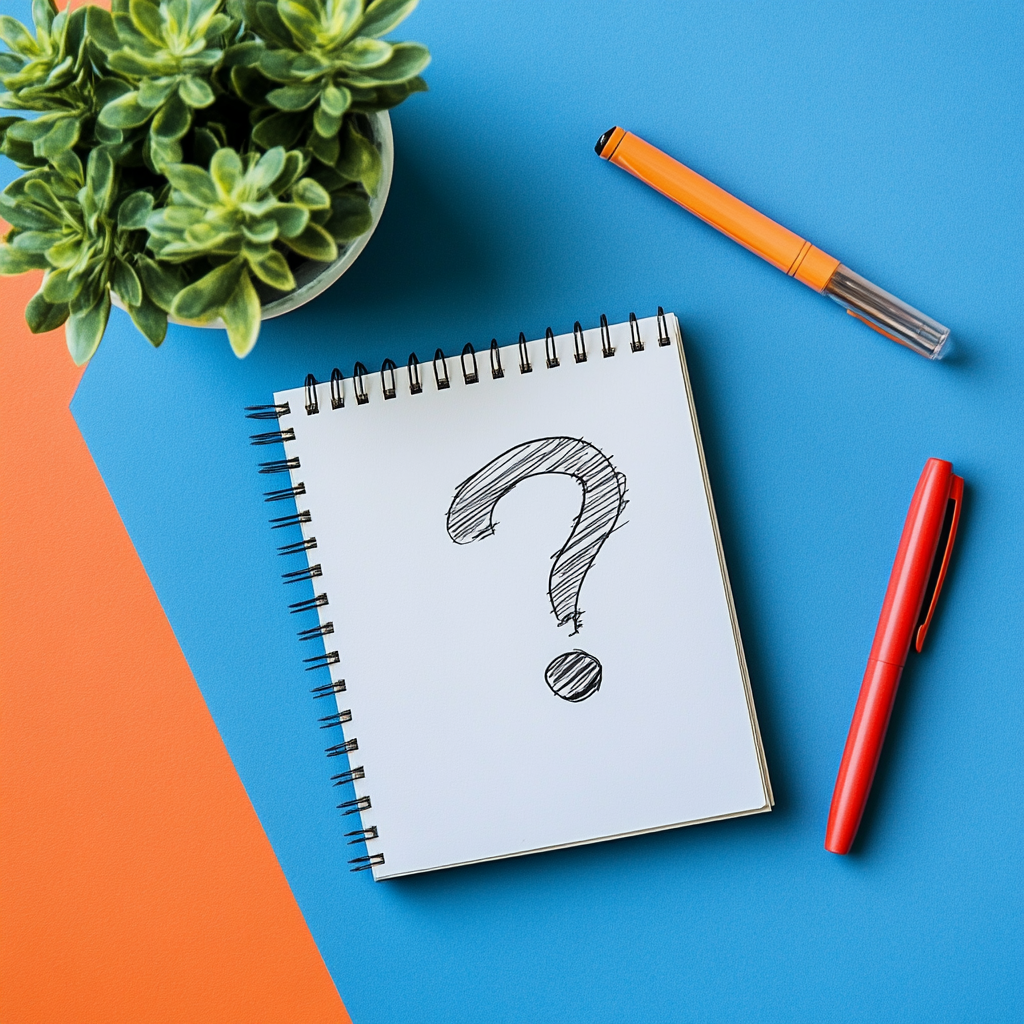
{"type": "Point", "coordinates": [471, 514]}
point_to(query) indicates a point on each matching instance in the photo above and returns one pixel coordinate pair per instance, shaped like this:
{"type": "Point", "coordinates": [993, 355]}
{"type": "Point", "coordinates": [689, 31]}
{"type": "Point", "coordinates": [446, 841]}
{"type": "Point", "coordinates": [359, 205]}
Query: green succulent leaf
{"type": "Point", "coordinates": [60, 138]}
{"type": "Point", "coordinates": [364, 53]}
{"type": "Point", "coordinates": [125, 112]}
{"type": "Point", "coordinates": [43, 13]}
{"type": "Point", "coordinates": [241, 315]}
{"type": "Point", "coordinates": [172, 120]}
{"type": "Point", "coordinates": [267, 169]}
{"type": "Point", "coordinates": [406, 61]}
{"type": "Point", "coordinates": [28, 216]}
{"type": "Point", "coordinates": [315, 244]}
{"type": "Point", "coordinates": [291, 220]}
{"type": "Point", "coordinates": [17, 37]}
{"type": "Point", "coordinates": [154, 91]}
{"type": "Point", "coordinates": [202, 299]}
{"type": "Point", "coordinates": [100, 178]}
{"type": "Point", "coordinates": [311, 194]}
{"type": "Point", "coordinates": [19, 261]}
{"type": "Point", "coordinates": [127, 284]}
{"type": "Point", "coordinates": [84, 330]}
{"type": "Point", "coordinates": [160, 282]}
{"type": "Point", "coordinates": [293, 97]}
{"type": "Point", "coordinates": [226, 171]}
{"type": "Point", "coordinates": [326, 150]}
{"type": "Point", "coordinates": [326, 124]}
{"type": "Point", "coordinates": [277, 130]}
{"type": "Point", "coordinates": [60, 287]}
{"type": "Point", "coordinates": [193, 183]}
{"type": "Point", "coordinates": [350, 217]}
{"type": "Point", "coordinates": [145, 17]}
{"type": "Point", "coordinates": [150, 319]}
{"type": "Point", "coordinates": [272, 268]}
{"type": "Point", "coordinates": [134, 211]}
{"type": "Point", "coordinates": [335, 100]}
{"type": "Point", "coordinates": [195, 92]}
{"type": "Point", "coordinates": [100, 28]}
{"type": "Point", "coordinates": [42, 316]}
{"type": "Point", "coordinates": [384, 15]}
{"type": "Point", "coordinates": [36, 241]}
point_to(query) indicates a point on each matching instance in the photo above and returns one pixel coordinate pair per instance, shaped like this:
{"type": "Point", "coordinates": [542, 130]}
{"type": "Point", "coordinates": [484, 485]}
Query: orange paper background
{"type": "Point", "coordinates": [136, 883]}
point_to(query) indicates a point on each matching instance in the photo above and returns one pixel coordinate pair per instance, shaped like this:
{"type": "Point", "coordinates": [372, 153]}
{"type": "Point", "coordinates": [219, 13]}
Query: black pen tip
{"type": "Point", "coordinates": [603, 141]}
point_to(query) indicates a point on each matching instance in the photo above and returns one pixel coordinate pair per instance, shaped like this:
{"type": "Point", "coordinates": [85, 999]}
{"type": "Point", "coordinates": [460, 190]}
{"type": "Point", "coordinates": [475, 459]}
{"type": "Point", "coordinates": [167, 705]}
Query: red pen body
{"type": "Point", "coordinates": [918, 572]}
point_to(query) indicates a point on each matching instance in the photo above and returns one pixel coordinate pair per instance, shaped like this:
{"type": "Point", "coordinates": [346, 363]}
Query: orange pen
{"type": "Point", "coordinates": [772, 242]}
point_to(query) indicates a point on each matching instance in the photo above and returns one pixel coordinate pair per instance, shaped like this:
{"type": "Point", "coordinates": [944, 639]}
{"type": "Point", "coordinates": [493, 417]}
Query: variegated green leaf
{"type": "Point", "coordinates": [272, 268]}
{"type": "Point", "coordinates": [154, 91]}
{"type": "Point", "coordinates": [267, 169]}
{"type": "Point", "coordinates": [277, 130]}
{"type": "Point", "coordinates": [335, 100]}
{"type": "Point", "coordinates": [315, 244]}
{"type": "Point", "coordinates": [202, 299]}
{"type": "Point", "coordinates": [366, 53]}
{"type": "Point", "coordinates": [311, 194]}
{"type": "Point", "coordinates": [17, 261]}
{"type": "Point", "coordinates": [195, 92]}
{"type": "Point", "coordinates": [384, 15]}
{"type": "Point", "coordinates": [350, 217]}
{"type": "Point", "coordinates": [61, 137]}
{"type": "Point", "coordinates": [293, 97]}
{"type": "Point", "coordinates": [125, 112]}
{"type": "Point", "coordinates": [161, 283]}
{"type": "Point", "coordinates": [291, 220]}
{"type": "Point", "coordinates": [193, 182]}
{"type": "Point", "coordinates": [17, 37]}
{"type": "Point", "coordinates": [145, 16]}
{"type": "Point", "coordinates": [84, 330]}
{"type": "Point", "coordinates": [36, 241]}
{"type": "Point", "coordinates": [327, 125]}
{"type": "Point", "coordinates": [241, 315]}
{"type": "Point", "coordinates": [134, 210]}
{"type": "Point", "coordinates": [43, 13]}
{"type": "Point", "coordinates": [127, 284]}
{"type": "Point", "coordinates": [100, 28]}
{"type": "Point", "coordinates": [100, 177]}
{"type": "Point", "coordinates": [60, 287]}
{"type": "Point", "coordinates": [406, 61]}
{"type": "Point", "coordinates": [226, 171]}
{"type": "Point", "coordinates": [172, 120]}
{"type": "Point", "coordinates": [150, 319]}
{"type": "Point", "coordinates": [304, 27]}
{"type": "Point", "coordinates": [42, 316]}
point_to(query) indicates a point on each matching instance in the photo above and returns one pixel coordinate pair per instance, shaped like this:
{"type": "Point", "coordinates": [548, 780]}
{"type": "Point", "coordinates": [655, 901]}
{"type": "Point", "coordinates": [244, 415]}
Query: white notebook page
{"type": "Point", "coordinates": [444, 640]}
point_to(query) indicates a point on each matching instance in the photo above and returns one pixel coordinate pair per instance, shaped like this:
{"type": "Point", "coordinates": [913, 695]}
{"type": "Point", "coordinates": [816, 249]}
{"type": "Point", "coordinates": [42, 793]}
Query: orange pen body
{"type": "Point", "coordinates": [785, 249]}
{"type": "Point", "coordinates": [760, 234]}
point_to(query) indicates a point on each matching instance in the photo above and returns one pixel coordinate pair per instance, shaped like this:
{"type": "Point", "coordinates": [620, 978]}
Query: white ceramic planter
{"type": "Point", "coordinates": [312, 277]}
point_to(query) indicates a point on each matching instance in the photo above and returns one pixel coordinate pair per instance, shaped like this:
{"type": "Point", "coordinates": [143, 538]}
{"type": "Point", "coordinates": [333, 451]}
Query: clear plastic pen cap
{"type": "Point", "coordinates": [887, 314]}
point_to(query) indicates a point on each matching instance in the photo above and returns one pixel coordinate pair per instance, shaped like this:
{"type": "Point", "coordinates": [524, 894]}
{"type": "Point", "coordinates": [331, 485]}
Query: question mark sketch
{"type": "Point", "coordinates": [575, 675]}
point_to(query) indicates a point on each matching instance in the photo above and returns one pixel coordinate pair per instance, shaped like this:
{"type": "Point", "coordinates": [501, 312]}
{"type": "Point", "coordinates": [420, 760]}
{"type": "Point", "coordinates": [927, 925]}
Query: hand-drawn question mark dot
{"type": "Point", "coordinates": [574, 676]}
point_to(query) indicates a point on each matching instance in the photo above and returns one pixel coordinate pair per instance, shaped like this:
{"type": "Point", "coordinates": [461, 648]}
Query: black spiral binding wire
{"type": "Point", "coordinates": [389, 390]}
{"type": "Point", "coordinates": [312, 571]}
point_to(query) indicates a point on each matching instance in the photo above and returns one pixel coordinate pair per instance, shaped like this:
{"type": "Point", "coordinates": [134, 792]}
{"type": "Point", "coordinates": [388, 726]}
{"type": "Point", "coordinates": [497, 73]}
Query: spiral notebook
{"type": "Point", "coordinates": [520, 618]}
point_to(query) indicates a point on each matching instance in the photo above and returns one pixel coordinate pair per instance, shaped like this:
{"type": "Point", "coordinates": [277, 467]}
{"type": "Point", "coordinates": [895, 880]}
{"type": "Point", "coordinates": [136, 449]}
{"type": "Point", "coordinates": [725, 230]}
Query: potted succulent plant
{"type": "Point", "coordinates": [211, 161]}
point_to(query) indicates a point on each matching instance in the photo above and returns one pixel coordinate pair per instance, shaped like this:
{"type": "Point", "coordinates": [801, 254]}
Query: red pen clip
{"type": "Point", "coordinates": [939, 567]}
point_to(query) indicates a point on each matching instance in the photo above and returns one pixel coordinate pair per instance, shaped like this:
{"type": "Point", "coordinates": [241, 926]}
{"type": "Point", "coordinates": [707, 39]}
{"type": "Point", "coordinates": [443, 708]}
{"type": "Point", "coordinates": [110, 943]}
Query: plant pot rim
{"type": "Point", "coordinates": [329, 272]}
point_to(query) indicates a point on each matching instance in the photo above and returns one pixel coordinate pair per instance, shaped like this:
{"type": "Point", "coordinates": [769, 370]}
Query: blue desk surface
{"type": "Point", "coordinates": [888, 134]}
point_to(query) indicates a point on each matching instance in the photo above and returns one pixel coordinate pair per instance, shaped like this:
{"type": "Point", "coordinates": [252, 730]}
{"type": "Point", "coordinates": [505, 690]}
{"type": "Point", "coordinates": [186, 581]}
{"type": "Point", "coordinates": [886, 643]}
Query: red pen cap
{"type": "Point", "coordinates": [934, 511]}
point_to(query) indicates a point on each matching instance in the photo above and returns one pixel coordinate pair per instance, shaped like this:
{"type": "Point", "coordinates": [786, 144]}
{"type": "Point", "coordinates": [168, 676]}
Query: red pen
{"type": "Point", "coordinates": [917, 577]}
